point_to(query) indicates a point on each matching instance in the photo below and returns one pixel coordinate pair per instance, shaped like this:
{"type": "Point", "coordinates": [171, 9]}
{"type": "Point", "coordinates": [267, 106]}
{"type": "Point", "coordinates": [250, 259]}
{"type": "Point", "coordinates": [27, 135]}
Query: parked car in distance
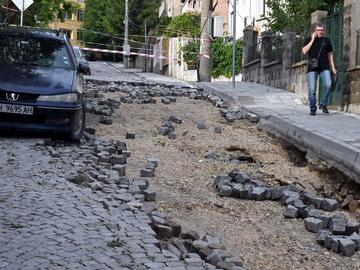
{"type": "Point", "coordinates": [81, 58]}
{"type": "Point", "coordinates": [41, 83]}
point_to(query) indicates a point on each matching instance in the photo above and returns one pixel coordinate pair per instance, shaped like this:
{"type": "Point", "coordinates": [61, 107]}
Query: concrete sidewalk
{"type": "Point", "coordinates": [334, 137]}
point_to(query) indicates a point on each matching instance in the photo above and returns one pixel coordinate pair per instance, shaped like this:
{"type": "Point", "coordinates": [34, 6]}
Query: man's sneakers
{"type": "Point", "coordinates": [323, 108]}
{"type": "Point", "coordinates": [312, 112]}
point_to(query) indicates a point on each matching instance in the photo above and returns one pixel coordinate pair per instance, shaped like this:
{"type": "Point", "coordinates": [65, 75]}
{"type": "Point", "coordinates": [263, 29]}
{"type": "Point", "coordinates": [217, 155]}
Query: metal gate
{"type": "Point", "coordinates": [335, 32]}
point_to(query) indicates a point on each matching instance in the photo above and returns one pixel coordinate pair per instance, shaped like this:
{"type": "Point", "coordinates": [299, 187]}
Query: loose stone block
{"type": "Point", "coordinates": [258, 193]}
{"type": "Point", "coordinates": [192, 235]}
{"type": "Point", "coordinates": [347, 247]}
{"type": "Point", "coordinates": [225, 191]}
{"type": "Point", "coordinates": [221, 180]}
{"type": "Point", "coordinates": [338, 224]}
{"type": "Point", "coordinates": [313, 224]}
{"type": "Point", "coordinates": [105, 120]}
{"type": "Point", "coordinates": [121, 169]}
{"type": "Point", "coordinates": [308, 197]}
{"type": "Point", "coordinates": [118, 159]}
{"type": "Point", "coordinates": [218, 130]}
{"type": "Point", "coordinates": [175, 119]}
{"type": "Point", "coordinates": [241, 177]}
{"type": "Point", "coordinates": [355, 237]}
{"type": "Point", "coordinates": [199, 244]}
{"type": "Point", "coordinates": [149, 165]}
{"type": "Point", "coordinates": [246, 192]}
{"type": "Point", "coordinates": [317, 202]}
{"type": "Point", "coordinates": [322, 236]}
{"type": "Point", "coordinates": [201, 125]}
{"type": "Point", "coordinates": [253, 118]}
{"type": "Point", "coordinates": [289, 196]}
{"type": "Point", "coordinates": [236, 190]}
{"type": "Point", "coordinates": [130, 135]}
{"type": "Point", "coordinates": [291, 212]}
{"type": "Point", "coordinates": [276, 193]}
{"type": "Point", "coordinates": [329, 205]}
{"type": "Point", "coordinates": [172, 136]}
{"type": "Point", "coordinates": [352, 227]}
{"type": "Point", "coordinates": [164, 131]}
{"type": "Point", "coordinates": [153, 160]}
{"type": "Point", "coordinates": [146, 173]}
{"type": "Point", "coordinates": [165, 101]}
{"type": "Point", "coordinates": [298, 204]}
{"type": "Point", "coordinates": [162, 231]}
{"type": "Point", "coordinates": [150, 195]}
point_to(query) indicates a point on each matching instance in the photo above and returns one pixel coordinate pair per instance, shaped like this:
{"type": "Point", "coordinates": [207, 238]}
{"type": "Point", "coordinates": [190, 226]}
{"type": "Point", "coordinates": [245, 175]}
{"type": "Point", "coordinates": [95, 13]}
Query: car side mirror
{"type": "Point", "coordinates": [83, 68]}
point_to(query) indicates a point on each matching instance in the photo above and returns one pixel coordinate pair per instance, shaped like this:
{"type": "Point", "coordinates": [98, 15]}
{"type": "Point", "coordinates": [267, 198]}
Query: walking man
{"type": "Point", "coordinates": [321, 62]}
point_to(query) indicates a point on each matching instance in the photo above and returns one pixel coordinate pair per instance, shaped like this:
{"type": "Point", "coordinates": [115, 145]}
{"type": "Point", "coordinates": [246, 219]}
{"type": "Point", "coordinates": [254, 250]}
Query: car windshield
{"type": "Point", "coordinates": [77, 53]}
{"type": "Point", "coordinates": [35, 51]}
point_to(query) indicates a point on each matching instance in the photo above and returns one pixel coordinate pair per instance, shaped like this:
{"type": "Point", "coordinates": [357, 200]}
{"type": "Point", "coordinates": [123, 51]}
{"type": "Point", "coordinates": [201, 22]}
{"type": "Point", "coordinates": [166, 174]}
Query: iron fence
{"type": "Point", "coordinates": [298, 55]}
{"type": "Point", "coordinates": [254, 51]}
{"type": "Point", "coordinates": [277, 49]}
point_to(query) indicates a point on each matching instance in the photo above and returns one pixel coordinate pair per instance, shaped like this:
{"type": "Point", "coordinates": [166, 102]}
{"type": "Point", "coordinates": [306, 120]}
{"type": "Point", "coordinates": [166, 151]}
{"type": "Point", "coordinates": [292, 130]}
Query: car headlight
{"type": "Point", "coordinates": [68, 98]}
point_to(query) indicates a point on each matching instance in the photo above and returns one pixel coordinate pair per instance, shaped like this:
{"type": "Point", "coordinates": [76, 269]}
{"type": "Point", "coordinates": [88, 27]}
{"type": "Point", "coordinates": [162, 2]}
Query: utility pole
{"type": "Point", "coordinates": [145, 34]}
{"type": "Point", "coordinates": [126, 40]}
{"type": "Point", "coordinates": [22, 13]}
{"type": "Point", "coordinates": [234, 44]}
{"type": "Point", "coordinates": [205, 42]}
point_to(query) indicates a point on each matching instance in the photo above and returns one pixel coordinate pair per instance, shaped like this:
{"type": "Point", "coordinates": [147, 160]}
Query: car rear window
{"type": "Point", "coordinates": [34, 51]}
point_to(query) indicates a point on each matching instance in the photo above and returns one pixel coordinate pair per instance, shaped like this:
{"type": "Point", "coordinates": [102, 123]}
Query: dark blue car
{"type": "Point", "coordinates": [41, 84]}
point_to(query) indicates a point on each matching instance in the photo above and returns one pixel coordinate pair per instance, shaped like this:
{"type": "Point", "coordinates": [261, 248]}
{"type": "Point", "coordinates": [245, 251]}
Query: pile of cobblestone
{"type": "Point", "coordinates": [167, 128]}
{"type": "Point", "coordinates": [334, 232]}
{"type": "Point", "coordinates": [101, 167]}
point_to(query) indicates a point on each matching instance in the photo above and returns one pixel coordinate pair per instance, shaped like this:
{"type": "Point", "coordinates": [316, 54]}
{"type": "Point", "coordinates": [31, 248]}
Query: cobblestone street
{"type": "Point", "coordinates": [49, 223]}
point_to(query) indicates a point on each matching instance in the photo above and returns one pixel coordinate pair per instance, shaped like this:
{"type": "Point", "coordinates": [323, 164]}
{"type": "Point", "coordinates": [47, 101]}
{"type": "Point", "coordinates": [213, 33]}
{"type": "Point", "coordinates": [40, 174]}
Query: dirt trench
{"type": "Point", "coordinates": [253, 231]}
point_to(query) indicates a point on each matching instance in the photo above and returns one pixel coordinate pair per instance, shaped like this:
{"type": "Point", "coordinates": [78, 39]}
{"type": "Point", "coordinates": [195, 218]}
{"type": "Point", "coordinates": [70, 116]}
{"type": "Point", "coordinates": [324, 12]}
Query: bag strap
{"type": "Point", "coordinates": [322, 45]}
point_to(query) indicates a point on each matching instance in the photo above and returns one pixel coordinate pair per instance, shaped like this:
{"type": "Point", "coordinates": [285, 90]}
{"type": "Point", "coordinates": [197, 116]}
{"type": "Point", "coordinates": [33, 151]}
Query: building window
{"type": "Point", "coordinates": [80, 16]}
{"type": "Point", "coordinates": [67, 15]}
{"type": "Point", "coordinates": [67, 32]}
{"type": "Point", "coordinates": [194, 4]}
{"type": "Point", "coordinates": [80, 35]}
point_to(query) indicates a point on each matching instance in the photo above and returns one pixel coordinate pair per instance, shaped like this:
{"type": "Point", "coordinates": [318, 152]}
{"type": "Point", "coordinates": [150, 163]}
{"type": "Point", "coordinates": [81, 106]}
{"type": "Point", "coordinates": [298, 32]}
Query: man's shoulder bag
{"type": "Point", "coordinates": [314, 62]}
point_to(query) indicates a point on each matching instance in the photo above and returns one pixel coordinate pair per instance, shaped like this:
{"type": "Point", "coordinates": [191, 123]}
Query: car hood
{"type": "Point", "coordinates": [36, 80]}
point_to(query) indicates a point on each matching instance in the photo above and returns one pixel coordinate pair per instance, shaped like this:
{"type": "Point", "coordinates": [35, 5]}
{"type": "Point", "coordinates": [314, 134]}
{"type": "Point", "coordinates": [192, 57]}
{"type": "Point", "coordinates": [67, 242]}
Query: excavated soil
{"type": "Point", "coordinates": [253, 231]}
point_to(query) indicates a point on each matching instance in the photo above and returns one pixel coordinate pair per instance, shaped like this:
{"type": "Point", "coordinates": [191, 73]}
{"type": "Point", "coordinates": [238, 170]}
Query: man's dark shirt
{"type": "Point", "coordinates": [314, 52]}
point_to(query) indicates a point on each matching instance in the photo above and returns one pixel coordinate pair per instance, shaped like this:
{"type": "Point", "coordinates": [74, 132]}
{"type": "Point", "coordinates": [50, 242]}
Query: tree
{"type": "Point", "coordinates": [40, 13]}
{"type": "Point", "coordinates": [107, 16]}
{"type": "Point", "coordinates": [295, 14]}
{"type": "Point", "coordinates": [187, 24]}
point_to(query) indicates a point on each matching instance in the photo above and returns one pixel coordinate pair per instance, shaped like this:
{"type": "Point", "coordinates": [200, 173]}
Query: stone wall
{"type": "Point", "coordinates": [280, 72]}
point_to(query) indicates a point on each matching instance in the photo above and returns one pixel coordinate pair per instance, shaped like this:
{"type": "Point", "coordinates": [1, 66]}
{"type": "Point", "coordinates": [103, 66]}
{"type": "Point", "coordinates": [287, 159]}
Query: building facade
{"type": "Point", "coordinates": [73, 24]}
{"type": "Point", "coordinates": [248, 12]}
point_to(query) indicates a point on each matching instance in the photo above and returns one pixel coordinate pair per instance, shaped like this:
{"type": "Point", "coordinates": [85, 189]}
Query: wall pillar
{"type": "Point", "coordinates": [249, 40]}
{"type": "Point", "coordinates": [289, 46]}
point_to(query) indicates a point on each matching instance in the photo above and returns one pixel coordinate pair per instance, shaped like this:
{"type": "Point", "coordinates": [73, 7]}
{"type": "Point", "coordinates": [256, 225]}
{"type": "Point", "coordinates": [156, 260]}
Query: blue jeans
{"type": "Point", "coordinates": [325, 77]}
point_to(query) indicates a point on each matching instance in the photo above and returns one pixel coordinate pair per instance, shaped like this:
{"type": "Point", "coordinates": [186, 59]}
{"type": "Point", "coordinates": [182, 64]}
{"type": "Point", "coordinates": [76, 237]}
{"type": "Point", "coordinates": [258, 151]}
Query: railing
{"type": "Point", "coordinates": [358, 48]}
{"type": "Point", "coordinates": [254, 51]}
{"type": "Point", "coordinates": [298, 55]}
{"type": "Point", "coordinates": [277, 49]}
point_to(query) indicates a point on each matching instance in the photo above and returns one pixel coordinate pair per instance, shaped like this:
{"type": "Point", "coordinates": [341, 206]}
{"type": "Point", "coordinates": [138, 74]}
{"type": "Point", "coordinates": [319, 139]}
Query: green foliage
{"type": "Point", "coordinates": [221, 57]}
{"type": "Point", "coordinates": [104, 16]}
{"type": "Point", "coordinates": [108, 16]}
{"type": "Point", "coordinates": [295, 14]}
{"type": "Point", "coordinates": [42, 12]}
{"type": "Point", "coordinates": [187, 24]}
{"type": "Point", "coordinates": [190, 53]}
{"type": "Point", "coordinates": [163, 25]}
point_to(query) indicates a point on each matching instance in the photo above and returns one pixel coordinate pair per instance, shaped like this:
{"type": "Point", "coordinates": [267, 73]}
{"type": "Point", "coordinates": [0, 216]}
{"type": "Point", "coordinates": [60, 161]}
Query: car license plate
{"type": "Point", "coordinates": [18, 109]}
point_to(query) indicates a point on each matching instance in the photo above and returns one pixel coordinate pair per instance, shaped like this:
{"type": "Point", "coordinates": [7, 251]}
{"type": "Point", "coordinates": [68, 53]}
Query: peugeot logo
{"type": "Point", "coordinates": [12, 96]}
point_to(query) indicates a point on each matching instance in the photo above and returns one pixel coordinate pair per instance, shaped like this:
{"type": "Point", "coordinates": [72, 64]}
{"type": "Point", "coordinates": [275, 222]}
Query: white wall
{"type": "Point", "coordinates": [246, 9]}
